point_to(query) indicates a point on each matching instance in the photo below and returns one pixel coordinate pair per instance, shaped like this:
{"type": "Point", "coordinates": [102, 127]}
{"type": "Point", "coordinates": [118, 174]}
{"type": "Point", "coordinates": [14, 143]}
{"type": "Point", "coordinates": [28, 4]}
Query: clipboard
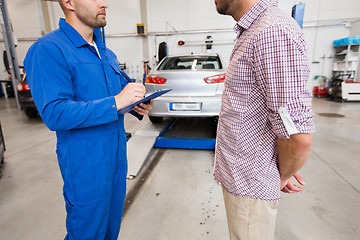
{"type": "Point", "coordinates": [146, 99]}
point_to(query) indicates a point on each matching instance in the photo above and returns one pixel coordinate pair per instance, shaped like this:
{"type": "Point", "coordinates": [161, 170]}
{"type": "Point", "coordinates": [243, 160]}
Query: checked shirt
{"type": "Point", "coordinates": [265, 97]}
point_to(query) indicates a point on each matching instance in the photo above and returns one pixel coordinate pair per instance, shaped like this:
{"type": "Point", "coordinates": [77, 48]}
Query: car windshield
{"type": "Point", "coordinates": [191, 62]}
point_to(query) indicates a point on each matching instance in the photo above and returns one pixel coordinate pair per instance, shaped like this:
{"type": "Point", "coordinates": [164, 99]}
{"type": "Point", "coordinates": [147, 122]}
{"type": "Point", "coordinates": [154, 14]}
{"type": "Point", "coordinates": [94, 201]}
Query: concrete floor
{"type": "Point", "coordinates": [180, 199]}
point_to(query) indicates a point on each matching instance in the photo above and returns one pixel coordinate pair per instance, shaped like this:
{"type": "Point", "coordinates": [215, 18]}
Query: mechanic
{"type": "Point", "coordinates": [78, 87]}
{"type": "Point", "coordinates": [265, 125]}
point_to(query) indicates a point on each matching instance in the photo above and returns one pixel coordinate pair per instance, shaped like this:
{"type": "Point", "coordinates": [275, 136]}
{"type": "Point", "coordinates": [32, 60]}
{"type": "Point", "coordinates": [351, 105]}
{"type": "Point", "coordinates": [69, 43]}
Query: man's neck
{"type": "Point", "coordinates": [85, 31]}
{"type": "Point", "coordinates": [243, 8]}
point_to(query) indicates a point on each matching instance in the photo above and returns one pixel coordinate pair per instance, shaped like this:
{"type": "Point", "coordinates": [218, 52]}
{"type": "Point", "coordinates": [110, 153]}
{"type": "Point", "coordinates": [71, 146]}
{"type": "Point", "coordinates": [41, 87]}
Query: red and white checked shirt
{"type": "Point", "coordinates": [265, 98]}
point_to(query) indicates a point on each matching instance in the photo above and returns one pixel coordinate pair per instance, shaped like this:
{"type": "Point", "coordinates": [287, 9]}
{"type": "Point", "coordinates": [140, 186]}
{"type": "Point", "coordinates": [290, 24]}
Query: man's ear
{"type": "Point", "coordinates": [68, 4]}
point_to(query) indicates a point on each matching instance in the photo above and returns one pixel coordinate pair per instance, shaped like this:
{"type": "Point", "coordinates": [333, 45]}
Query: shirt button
{"type": "Point", "coordinates": [113, 106]}
{"type": "Point", "coordinates": [115, 119]}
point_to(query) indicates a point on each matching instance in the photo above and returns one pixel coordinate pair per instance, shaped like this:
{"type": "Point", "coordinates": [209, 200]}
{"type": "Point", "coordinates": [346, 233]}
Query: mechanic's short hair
{"type": "Point", "coordinates": [61, 5]}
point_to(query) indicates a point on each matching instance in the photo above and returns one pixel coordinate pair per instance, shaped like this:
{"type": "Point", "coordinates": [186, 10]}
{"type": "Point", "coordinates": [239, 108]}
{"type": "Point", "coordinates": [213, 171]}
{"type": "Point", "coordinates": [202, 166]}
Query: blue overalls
{"type": "Point", "coordinates": [74, 91]}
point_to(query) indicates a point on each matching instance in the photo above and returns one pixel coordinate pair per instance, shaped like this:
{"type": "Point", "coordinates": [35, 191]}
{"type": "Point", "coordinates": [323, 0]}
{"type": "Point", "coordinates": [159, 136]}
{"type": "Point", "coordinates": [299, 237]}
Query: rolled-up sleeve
{"type": "Point", "coordinates": [281, 64]}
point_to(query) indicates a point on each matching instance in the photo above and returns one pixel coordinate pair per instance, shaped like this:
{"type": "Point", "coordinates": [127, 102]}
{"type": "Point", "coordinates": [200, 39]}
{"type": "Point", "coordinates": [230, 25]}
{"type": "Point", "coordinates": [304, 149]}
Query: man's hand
{"type": "Point", "coordinates": [131, 93]}
{"type": "Point", "coordinates": [143, 108]}
{"type": "Point", "coordinates": [288, 187]}
{"type": "Point", "coordinates": [292, 154]}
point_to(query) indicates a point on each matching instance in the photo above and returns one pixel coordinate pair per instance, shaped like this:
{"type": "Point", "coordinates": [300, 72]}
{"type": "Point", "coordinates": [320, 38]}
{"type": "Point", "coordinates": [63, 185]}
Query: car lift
{"type": "Point", "coordinates": [7, 33]}
{"type": "Point", "coordinates": [152, 136]}
{"type": "Point", "coordinates": [183, 143]}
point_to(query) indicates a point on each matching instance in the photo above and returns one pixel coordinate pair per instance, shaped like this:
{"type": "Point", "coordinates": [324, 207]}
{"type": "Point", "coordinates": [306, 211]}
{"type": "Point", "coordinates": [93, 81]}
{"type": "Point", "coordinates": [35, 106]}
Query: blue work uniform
{"type": "Point", "coordinates": [73, 89]}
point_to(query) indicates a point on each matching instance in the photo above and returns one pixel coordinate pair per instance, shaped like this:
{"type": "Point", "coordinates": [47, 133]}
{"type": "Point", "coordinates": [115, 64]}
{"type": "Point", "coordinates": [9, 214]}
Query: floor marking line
{"type": "Point", "coordinates": [136, 189]}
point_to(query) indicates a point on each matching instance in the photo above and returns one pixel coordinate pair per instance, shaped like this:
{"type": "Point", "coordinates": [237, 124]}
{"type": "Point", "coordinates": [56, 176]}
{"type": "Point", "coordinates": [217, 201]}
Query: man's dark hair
{"type": "Point", "coordinates": [61, 5]}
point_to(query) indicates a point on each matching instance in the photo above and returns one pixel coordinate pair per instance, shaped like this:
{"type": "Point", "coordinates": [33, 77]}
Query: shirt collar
{"type": "Point", "coordinates": [250, 16]}
{"type": "Point", "coordinates": [98, 38]}
{"type": "Point", "coordinates": [75, 37]}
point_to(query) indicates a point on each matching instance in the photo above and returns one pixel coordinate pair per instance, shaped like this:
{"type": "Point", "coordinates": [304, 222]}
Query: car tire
{"type": "Point", "coordinates": [31, 113]}
{"type": "Point", "coordinates": [155, 119]}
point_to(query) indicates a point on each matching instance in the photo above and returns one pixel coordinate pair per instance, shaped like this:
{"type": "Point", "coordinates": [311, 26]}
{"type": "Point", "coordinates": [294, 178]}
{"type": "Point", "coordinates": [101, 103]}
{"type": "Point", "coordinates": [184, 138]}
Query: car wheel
{"type": "Point", "coordinates": [31, 113]}
{"type": "Point", "coordinates": [156, 119]}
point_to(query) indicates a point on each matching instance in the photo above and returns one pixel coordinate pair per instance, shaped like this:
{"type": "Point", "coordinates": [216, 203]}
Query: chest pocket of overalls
{"type": "Point", "coordinates": [117, 79]}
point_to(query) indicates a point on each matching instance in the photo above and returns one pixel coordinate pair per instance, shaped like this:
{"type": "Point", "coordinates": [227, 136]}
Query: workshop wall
{"type": "Point", "coordinates": [178, 17]}
{"type": "Point", "coordinates": [324, 21]}
{"type": "Point", "coordinates": [355, 28]}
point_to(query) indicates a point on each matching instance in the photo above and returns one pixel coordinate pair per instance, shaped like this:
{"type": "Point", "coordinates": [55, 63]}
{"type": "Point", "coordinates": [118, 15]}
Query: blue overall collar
{"type": "Point", "coordinates": [76, 38]}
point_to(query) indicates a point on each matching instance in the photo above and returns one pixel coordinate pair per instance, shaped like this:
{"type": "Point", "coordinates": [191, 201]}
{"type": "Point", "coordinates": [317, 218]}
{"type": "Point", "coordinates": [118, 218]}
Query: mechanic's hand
{"type": "Point", "coordinates": [131, 93]}
{"type": "Point", "coordinates": [288, 187]}
{"type": "Point", "coordinates": [143, 108]}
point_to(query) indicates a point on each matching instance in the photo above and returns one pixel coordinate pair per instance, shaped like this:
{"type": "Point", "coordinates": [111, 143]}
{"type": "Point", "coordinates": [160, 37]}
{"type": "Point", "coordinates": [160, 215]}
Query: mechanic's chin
{"type": "Point", "coordinates": [101, 21]}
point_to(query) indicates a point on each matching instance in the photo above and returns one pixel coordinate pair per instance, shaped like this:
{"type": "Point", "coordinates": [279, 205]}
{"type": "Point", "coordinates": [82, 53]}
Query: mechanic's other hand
{"type": "Point", "coordinates": [143, 108]}
{"type": "Point", "coordinates": [288, 187]}
{"type": "Point", "coordinates": [131, 93]}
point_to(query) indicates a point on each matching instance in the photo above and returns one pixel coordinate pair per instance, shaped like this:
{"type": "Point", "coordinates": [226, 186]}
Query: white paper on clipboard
{"type": "Point", "coordinates": [144, 100]}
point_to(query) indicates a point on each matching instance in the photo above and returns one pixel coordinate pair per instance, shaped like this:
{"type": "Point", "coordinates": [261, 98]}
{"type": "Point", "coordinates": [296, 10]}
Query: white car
{"type": "Point", "coordinates": [197, 82]}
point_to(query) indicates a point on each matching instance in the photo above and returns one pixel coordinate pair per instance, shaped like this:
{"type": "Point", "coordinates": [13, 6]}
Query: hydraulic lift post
{"type": "Point", "coordinates": [10, 48]}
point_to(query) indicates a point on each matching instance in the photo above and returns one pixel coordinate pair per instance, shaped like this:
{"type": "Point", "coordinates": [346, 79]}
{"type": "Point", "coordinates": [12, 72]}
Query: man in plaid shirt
{"type": "Point", "coordinates": [265, 125]}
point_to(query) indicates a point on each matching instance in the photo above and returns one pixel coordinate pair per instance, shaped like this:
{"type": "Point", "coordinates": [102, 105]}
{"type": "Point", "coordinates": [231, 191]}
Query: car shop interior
{"type": "Point", "coordinates": [171, 191]}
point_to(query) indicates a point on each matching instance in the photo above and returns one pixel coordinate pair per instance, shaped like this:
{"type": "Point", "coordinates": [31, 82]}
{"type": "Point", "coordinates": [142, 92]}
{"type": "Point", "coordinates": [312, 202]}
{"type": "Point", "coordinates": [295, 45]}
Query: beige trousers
{"type": "Point", "coordinates": [250, 218]}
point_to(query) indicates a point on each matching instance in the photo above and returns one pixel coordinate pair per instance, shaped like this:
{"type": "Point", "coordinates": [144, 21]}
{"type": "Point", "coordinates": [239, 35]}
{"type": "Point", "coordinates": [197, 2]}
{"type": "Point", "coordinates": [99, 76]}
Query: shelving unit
{"type": "Point", "coordinates": [346, 61]}
{"type": "Point", "coordinates": [347, 65]}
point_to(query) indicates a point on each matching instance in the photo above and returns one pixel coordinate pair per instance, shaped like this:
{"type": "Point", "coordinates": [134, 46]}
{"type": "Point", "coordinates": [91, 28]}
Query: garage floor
{"type": "Point", "coordinates": [180, 200]}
